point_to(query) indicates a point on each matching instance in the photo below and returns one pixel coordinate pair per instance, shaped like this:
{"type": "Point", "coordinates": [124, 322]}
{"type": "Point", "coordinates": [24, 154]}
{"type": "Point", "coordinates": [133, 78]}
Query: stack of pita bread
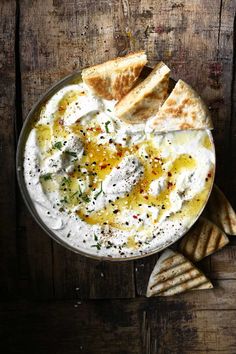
{"type": "Point", "coordinates": [117, 79]}
{"type": "Point", "coordinates": [181, 109]}
{"type": "Point", "coordinates": [174, 272]}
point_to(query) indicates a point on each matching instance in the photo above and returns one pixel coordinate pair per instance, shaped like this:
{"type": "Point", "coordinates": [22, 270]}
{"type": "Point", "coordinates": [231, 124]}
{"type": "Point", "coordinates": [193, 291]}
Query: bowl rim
{"type": "Point", "coordinates": [26, 128]}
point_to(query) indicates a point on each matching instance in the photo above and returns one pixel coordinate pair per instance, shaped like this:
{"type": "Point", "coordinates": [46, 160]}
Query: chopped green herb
{"type": "Point", "coordinates": [66, 180]}
{"type": "Point", "coordinates": [85, 198]}
{"type": "Point", "coordinates": [47, 176]}
{"type": "Point", "coordinates": [95, 237]}
{"type": "Point", "coordinates": [101, 191]}
{"type": "Point", "coordinates": [58, 145]}
{"type": "Point", "coordinates": [71, 153]}
{"type": "Point", "coordinates": [64, 200]}
{"type": "Point", "coordinates": [74, 194]}
{"type": "Point", "coordinates": [106, 126]}
{"type": "Point", "coordinates": [108, 110]}
{"type": "Point", "coordinates": [98, 246]}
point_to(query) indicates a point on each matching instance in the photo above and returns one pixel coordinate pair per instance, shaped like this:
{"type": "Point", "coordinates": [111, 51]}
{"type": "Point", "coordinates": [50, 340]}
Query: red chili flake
{"type": "Point", "coordinates": [209, 175]}
{"type": "Point", "coordinates": [146, 197]}
{"type": "Point", "coordinates": [169, 174]}
{"type": "Point", "coordinates": [90, 129]}
{"type": "Point", "coordinates": [154, 173]}
{"type": "Point", "coordinates": [169, 185]}
{"type": "Point", "coordinates": [135, 217]}
{"type": "Point", "coordinates": [141, 190]}
{"type": "Point", "coordinates": [157, 158]}
{"type": "Point", "coordinates": [61, 122]}
{"type": "Point", "coordinates": [98, 129]}
{"type": "Point", "coordinates": [119, 153]}
{"type": "Point", "coordinates": [103, 166]}
{"type": "Point", "coordinates": [61, 108]}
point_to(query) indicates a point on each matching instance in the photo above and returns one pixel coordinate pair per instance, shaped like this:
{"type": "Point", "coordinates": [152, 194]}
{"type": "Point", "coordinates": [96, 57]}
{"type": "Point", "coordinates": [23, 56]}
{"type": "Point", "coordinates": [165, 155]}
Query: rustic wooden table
{"type": "Point", "coordinates": [54, 301]}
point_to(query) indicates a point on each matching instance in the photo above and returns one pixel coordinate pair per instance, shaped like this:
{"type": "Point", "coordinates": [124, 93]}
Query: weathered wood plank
{"type": "Point", "coordinates": [232, 144]}
{"type": "Point", "coordinates": [65, 37]}
{"type": "Point", "coordinates": [181, 324]}
{"type": "Point", "coordinates": [80, 278]}
{"type": "Point", "coordinates": [223, 263]}
{"type": "Point", "coordinates": [227, 47]}
{"type": "Point", "coordinates": [100, 327]}
{"type": "Point", "coordinates": [188, 331]}
{"type": "Point", "coordinates": [8, 263]}
{"type": "Point", "coordinates": [34, 244]}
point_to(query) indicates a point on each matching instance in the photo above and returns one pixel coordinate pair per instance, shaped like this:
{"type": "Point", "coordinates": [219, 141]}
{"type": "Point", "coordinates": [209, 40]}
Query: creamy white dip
{"type": "Point", "coordinates": [110, 188]}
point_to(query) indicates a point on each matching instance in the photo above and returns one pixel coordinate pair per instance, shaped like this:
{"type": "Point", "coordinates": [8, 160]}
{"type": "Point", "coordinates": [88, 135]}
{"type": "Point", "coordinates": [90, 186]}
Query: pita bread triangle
{"type": "Point", "coordinates": [182, 110]}
{"type": "Point", "coordinates": [220, 211]}
{"type": "Point", "coordinates": [174, 274]}
{"type": "Point", "coordinates": [145, 98]}
{"type": "Point", "coordinates": [115, 78]}
{"type": "Point", "coordinates": [203, 239]}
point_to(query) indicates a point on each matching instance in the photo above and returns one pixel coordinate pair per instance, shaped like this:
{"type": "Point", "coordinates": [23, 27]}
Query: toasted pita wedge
{"type": "Point", "coordinates": [183, 109]}
{"type": "Point", "coordinates": [175, 274]}
{"type": "Point", "coordinates": [146, 98]}
{"type": "Point", "coordinates": [115, 78]}
{"type": "Point", "coordinates": [220, 211]}
{"type": "Point", "coordinates": [203, 239]}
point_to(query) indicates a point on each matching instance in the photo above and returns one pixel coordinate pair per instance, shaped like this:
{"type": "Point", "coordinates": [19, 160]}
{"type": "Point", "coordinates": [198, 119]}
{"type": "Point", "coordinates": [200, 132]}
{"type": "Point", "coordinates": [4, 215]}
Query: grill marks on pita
{"type": "Point", "coordinates": [175, 274]}
{"type": "Point", "coordinates": [115, 78]}
{"type": "Point", "coordinates": [145, 99]}
{"type": "Point", "coordinates": [220, 211]}
{"type": "Point", "coordinates": [183, 110]}
{"type": "Point", "coordinates": [203, 239]}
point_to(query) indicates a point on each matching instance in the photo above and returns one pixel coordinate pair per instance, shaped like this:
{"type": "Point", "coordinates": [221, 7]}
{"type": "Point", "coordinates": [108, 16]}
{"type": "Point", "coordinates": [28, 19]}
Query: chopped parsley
{"type": "Point", "coordinates": [66, 181]}
{"type": "Point", "coordinates": [71, 153]}
{"type": "Point", "coordinates": [108, 110]}
{"type": "Point", "coordinates": [85, 198]}
{"type": "Point", "coordinates": [47, 176]}
{"type": "Point", "coordinates": [97, 194]}
{"type": "Point", "coordinates": [74, 194]}
{"type": "Point", "coordinates": [58, 145]}
{"type": "Point", "coordinates": [106, 126]}
{"type": "Point", "coordinates": [98, 246]}
{"type": "Point", "coordinates": [64, 200]}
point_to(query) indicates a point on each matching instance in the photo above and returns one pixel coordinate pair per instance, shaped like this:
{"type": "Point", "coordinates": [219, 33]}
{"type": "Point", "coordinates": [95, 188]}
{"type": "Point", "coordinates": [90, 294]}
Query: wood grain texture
{"type": "Point", "coordinates": [139, 326]}
{"type": "Point", "coordinates": [77, 277]}
{"type": "Point", "coordinates": [8, 263]}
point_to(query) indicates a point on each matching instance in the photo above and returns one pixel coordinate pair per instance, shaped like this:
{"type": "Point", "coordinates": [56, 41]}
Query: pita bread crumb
{"type": "Point", "coordinates": [145, 99]}
{"type": "Point", "coordinates": [115, 78]}
{"type": "Point", "coordinates": [183, 110]}
{"type": "Point", "coordinates": [203, 239]}
{"type": "Point", "coordinates": [220, 211]}
{"type": "Point", "coordinates": [175, 274]}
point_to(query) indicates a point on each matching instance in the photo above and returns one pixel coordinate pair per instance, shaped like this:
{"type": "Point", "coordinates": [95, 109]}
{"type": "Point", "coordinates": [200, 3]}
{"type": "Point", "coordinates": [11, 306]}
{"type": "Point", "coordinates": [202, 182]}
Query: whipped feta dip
{"type": "Point", "coordinates": [109, 188]}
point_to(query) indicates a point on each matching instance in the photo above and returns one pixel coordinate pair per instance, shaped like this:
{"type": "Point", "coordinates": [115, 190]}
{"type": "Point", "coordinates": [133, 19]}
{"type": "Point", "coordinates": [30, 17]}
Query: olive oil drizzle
{"type": "Point", "coordinates": [99, 160]}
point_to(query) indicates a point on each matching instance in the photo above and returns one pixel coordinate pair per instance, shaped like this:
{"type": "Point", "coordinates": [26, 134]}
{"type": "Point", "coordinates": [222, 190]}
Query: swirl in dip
{"type": "Point", "coordinates": [109, 188]}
